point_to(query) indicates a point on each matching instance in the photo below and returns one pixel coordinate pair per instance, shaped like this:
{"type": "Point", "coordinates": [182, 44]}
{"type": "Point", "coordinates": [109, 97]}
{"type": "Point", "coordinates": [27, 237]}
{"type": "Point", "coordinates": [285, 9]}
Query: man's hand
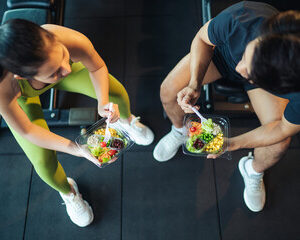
{"type": "Point", "coordinates": [227, 142]}
{"type": "Point", "coordinates": [187, 97]}
{"type": "Point", "coordinates": [114, 115]}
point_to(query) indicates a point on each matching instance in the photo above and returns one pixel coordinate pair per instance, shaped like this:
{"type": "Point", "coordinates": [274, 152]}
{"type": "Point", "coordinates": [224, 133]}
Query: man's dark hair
{"type": "Point", "coordinates": [287, 22]}
{"type": "Point", "coordinates": [276, 60]}
{"type": "Point", "coordinates": [22, 47]}
{"type": "Point", "coordinates": [276, 63]}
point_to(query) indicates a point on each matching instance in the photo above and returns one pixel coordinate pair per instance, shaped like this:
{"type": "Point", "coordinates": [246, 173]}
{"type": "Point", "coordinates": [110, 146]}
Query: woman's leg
{"type": "Point", "coordinates": [79, 81]}
{"type": "Point", "coordinates": [49, 169]}
{"type": "Point", "coordinates": [43, 160]}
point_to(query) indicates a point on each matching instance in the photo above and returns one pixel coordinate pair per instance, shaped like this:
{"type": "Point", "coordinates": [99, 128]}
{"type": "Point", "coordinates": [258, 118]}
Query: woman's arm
{"type": "Point", "coordinates": [81, 49]}
{"type": "Point", "coordinates": [18, 120]}
{"type": "Point", "coordinates": [265, 135]}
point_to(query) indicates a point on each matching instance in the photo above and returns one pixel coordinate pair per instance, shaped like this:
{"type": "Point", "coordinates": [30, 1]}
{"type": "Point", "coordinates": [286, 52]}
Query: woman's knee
{"type": "Point", "coordinates": [46, 163]}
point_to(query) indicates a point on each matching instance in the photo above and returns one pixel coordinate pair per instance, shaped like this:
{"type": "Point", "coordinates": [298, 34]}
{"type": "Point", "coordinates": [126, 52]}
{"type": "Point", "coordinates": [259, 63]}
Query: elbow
{"type": "Point", "coordinates": [24, 131]}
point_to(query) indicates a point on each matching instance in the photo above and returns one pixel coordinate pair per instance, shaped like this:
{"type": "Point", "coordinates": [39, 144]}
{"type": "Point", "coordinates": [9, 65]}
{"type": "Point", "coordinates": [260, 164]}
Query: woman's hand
{"type": "Point", "coordinates": [83, 151]}
{"type": "Point", "coordinates": [104, 111]}
{"type": "Point", "coordinates": [187, 97]}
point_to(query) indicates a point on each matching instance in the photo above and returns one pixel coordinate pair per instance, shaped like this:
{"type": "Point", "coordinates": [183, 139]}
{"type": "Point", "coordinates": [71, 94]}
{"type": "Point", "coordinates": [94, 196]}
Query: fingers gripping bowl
{"type": "Point", "coordinates": [203, 138]}
{"type": "Point", "coordinates": [100, 152]}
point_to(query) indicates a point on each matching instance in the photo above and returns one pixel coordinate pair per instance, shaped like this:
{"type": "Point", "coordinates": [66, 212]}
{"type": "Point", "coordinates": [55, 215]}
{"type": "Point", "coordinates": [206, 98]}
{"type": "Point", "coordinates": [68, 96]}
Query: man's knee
{"type": "Point", "coordinates": [167, 93]}
{"type": "Point", "coordinates": [283, 146]}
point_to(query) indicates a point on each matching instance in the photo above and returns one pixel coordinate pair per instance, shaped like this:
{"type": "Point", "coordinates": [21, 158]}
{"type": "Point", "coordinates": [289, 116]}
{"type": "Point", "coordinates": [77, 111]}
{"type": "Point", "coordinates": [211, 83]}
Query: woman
{"type": "Point", "coordinates": [38, 58]}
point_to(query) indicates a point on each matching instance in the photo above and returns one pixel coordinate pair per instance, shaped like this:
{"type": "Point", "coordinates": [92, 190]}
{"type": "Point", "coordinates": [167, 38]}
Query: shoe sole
{"type": "Point", "coordinates": [144, 143]}
{"type": "Point", "coordinates": [243, 173]}
{"type": "Point", "coordinates": [164, 160]}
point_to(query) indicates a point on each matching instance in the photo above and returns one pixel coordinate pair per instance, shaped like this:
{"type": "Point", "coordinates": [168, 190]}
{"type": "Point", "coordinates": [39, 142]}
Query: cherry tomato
{"type": "Point", "coordinates": [193, 129]}
{"type": "Point", "coordinates": [103, 144]}
{"type": "Point", "coordinates": [112, 152]}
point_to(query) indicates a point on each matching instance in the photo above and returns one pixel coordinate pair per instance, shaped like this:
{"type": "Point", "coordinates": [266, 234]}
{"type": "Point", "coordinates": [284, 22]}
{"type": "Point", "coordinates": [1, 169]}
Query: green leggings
{"type": "Point", "coordinates": [45, 161]}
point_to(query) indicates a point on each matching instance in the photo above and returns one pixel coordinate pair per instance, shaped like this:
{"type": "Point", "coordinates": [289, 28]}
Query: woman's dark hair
{"type": "Point", "coordinates": [276, 60]}
{"type": "Point", "coordinates": [22, 47]}
{"type": "Point", "coordinates": [276, 63]}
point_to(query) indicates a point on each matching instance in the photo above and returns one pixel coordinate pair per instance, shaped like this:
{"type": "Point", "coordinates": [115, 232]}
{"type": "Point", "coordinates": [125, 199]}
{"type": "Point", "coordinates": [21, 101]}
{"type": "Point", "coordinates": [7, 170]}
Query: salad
{"type": "Point", "coordinates": [204, 137]}
{"type": "Point", "coordinates": [106, 152]}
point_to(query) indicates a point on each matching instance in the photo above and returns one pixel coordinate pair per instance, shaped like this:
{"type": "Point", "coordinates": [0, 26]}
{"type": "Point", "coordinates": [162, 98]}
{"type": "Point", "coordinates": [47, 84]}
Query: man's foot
{"type": "Point", "coordinates": [254, 192]}
{"type": "Point", "coordinates": [78, 209]}
{"type": "Point", "coordinates": [141, 134]}
{"type": "Point", "coordinates": [168, 146]}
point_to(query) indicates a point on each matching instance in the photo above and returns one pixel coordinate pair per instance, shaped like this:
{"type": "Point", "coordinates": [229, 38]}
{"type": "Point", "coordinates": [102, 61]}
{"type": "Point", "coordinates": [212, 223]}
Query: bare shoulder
{"type": "Point", "coordinates": [64, 34]}
{"type": "Point", "coordinates": [9, 90]}
{"type": "Point", "coordinates": [203, 34]}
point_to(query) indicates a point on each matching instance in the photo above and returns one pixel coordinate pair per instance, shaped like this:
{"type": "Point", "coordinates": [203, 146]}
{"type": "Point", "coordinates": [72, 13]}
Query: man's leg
{"type": "Point", "coordinates": [268, 108]}
{"type": "Point", "coordinates": [176, 80]}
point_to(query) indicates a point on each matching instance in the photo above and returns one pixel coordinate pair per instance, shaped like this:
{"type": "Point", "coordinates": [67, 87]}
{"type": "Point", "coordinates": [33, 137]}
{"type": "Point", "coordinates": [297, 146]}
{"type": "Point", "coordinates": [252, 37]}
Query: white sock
{"type": "Point", "coordinates": [125, 121]}
{"type": "Point", "coordinates": [180, 130]}
{"type": "Point", "coordinates": [250, 170]}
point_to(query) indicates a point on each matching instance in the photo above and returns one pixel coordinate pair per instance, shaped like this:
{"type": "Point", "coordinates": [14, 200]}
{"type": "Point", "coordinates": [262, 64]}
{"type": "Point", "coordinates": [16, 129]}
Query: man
{"type": "Point", "coordinates": [232, 46]}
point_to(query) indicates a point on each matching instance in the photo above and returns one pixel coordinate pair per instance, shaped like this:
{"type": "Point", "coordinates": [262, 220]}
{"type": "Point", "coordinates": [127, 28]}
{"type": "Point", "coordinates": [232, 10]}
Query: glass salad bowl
{"type": "Point", "coordinates": [204, 138]}
{"type": "Point", "coordinates": [100, 151]}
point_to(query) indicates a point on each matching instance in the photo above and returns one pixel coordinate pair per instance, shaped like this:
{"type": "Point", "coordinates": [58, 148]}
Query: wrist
{"type": "Point", "coordinates": [74, 149]}
{"type": "Point", "coordinates": [194, 84]}
{"type": "Point", "coordinates": [233, 144]}
{"type": "Point", "coordinates": [103, 102]}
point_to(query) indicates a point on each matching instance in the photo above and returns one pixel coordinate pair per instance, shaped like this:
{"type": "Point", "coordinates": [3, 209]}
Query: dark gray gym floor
{"type": "Point", "coordinates": [138, 198]}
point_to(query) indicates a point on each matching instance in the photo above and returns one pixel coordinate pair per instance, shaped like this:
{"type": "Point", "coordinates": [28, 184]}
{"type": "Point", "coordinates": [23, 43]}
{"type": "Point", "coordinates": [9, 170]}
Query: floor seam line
{"type": "Point", "coordinates": [217, 200]}
{"type": "Point", "coordinates": [29, 191]}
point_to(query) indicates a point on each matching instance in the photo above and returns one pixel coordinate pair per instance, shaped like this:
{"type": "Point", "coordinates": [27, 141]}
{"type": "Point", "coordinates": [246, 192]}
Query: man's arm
{"type": "Point", "coordinates": [201, 54]}
{"type": "Point", "coordinates": [265, 135]}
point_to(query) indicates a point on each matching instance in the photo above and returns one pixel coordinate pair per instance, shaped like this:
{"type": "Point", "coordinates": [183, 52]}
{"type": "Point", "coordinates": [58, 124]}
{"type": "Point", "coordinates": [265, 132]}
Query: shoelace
{"type": "Point", "coordinates": [175, 140]}
{"type": "Point", "coordinates": [255, 184]}
{"type": "Point", "coordinates": [134, 125]}
{"type": "Point", "coordinates": [76, 203]}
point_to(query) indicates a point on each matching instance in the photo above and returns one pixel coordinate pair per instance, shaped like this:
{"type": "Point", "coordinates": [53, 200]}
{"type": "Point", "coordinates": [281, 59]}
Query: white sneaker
{"type": "Point", "coordinates": [141, 134]}
{"type": "Point", "coordinates": [254, 192]}
{"type": "Point", "coordinates": [168, 146]}
{"type": "Point", "coordinates": [78, 209]}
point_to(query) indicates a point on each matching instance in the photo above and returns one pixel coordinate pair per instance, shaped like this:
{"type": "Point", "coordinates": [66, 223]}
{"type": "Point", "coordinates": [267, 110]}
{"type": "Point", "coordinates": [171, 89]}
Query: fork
{"type": "Point", "coordinates": [107, 135]}
{"type": "Point", "coordinates": [203, 119]}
